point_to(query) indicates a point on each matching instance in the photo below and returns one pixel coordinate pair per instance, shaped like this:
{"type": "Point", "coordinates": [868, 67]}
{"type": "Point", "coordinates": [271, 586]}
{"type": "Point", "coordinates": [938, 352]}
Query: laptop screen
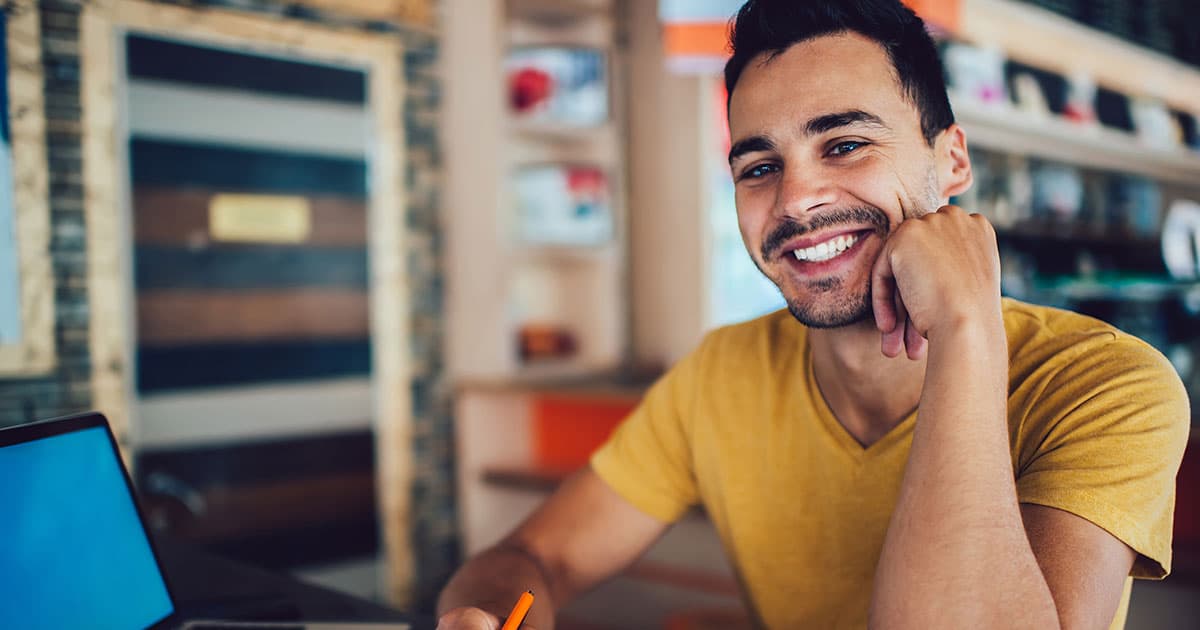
{"type": "Point", "coordinates": [73, 553]}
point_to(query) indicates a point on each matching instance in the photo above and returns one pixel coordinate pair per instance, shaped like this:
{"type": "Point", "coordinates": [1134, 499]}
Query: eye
{"type": "Point", "coordinates": [758, 171]}
{"type": "Point", "coordinates": [846, 147]}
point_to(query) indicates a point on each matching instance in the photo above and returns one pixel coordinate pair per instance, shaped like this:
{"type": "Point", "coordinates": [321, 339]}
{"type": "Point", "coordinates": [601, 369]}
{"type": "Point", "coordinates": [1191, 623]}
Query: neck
{"type": "Point", "coordinates": [868, 393]}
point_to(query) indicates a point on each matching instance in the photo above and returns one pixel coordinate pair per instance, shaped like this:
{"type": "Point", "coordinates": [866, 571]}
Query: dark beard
{"type": "Point", "coordinates": [857, 308]}
{"type": "Point", "coordinates": [849, 313]}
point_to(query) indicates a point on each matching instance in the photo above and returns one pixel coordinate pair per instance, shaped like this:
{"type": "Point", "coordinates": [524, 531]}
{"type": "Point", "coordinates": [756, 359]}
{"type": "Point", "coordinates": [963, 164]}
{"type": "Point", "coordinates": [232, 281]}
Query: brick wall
{"type": "Point", "coordinates": [67, 389]}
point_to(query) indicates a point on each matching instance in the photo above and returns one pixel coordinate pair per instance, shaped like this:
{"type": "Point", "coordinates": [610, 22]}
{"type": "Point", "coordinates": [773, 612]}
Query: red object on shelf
{"type": "Point", "coordinates": [545, 341]}
{"type": "Point", "coordinates": [568, 428]}
{"type": "Point", "coordinates": [529, 88]}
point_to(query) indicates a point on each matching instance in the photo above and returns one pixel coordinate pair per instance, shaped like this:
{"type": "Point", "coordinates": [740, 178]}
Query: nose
{"type": "Point", "coordinates": [802, 191]}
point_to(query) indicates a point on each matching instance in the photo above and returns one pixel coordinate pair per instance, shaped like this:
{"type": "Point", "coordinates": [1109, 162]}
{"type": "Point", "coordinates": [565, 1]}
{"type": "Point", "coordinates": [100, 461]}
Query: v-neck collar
{"type": "Point", "coordinates": [838, 433]}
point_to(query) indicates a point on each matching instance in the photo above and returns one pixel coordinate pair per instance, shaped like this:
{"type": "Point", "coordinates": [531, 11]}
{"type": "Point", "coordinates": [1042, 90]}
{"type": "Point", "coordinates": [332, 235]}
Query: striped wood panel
{"type": "Point", "coordinates": [167, 318]}
{"type": "Point", "coordinates": [180, 164]}
{"type": "Point", "coordinates": [277, 502]}
{"type": "Point", "coordinates": [241, 511]}
{"type": "Point", "coordinates": [250, 267]}
{"type": "Point", "coordinates": [101, 26]}
{"type": "Point", "coordinates": [228, 314]}
{"type": "Point", "coordinates": [212, 417]}
{"type": "Point", "coordinates": [215, 365]}
{"type": "Point", "coordinates": [264, 460]}
{"type": "Point", "coordinates": [206, 115]}
{"type": "Point", "coordinates": [154, 58]}
{"type": "Point", "coordinates": [178, 217]}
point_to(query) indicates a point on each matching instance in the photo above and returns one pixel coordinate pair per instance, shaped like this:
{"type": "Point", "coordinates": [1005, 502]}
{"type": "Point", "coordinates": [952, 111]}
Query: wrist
{"type": "Point", "coordinates": [976, 340]}
{"type": "Point", "coordinates": [971, 327]}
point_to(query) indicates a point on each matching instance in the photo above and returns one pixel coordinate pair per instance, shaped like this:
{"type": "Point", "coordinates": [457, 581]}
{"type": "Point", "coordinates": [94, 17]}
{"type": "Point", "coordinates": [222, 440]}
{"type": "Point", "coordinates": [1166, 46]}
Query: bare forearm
{"type": "Point", "coordinates": [956, 552]}
{"type": "Point", "coordinates": [493, 580]}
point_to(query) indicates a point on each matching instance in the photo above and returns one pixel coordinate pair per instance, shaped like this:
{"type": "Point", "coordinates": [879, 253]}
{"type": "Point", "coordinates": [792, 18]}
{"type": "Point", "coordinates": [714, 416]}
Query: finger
{"type": "Point", "coordinates": [883, 292]}
{"type": "Point", "coordinates": [892, 342]}
{"type": "Point", "coordinates": [915, 344]}
{"type": "Point", "coordinates": [468, 619]}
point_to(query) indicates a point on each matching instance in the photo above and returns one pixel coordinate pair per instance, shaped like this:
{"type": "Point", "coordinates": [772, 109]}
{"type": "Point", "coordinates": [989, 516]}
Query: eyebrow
{"type": "Point", "coordinates": [750, 145]}
{"type": "Point", "coordinates": [829, 122]}
{"type": "Point", "coordinates": [814, 126]}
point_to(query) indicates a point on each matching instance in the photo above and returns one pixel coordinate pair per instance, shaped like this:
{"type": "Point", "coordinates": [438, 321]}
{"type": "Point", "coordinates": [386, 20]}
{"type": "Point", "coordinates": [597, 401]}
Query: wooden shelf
{"type": "Point", "coordinates": [622, 386]}
{"type": "Point", "coordinates": [530, 478]}
{"type": "Point", "coordinates": [563, 133]}
{"type": "Point", "coordinates": [607, 253]}
{"type": "Point", "coordinates": [535, 479]}
{"type": "Point", "coordinates": [1043, 39]}
{"type": "Point", "coordinates": [591, 149]}
{"type": "Point", "coordinates": [557, 11]}
{"type": "Point", "coordinates": [1005, 129]}
{"type": "Point", "coordinates": [577, 368]}
{"type": "Point", "coordinates": [592, 30]}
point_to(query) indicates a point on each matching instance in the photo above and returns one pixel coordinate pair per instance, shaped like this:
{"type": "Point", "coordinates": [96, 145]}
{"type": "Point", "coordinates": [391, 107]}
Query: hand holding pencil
{"type": "Point", "coordinates": [519, 611]}
{"type": "Point", "coordinates": [477, 619]}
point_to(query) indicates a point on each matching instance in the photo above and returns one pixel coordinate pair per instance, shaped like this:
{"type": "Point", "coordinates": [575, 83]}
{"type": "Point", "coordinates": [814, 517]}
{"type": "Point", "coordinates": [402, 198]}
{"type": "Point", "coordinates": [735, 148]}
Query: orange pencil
{"type": "Point", "coordinates": [518, 612]}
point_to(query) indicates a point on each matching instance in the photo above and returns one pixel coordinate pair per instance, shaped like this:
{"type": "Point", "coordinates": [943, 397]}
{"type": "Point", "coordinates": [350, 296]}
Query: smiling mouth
{"type": "Point", "coordinates": [827, 250]}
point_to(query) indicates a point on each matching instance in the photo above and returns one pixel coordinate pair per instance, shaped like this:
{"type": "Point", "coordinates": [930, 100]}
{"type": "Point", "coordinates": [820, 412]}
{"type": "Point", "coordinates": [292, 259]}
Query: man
{"type": "Point", "coordinates": [905, 449]}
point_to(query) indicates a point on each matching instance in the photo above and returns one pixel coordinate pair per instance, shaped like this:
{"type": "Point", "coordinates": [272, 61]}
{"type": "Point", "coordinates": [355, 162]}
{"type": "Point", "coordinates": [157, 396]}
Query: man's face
{"type": "Point", "coordinates": [828, 158]}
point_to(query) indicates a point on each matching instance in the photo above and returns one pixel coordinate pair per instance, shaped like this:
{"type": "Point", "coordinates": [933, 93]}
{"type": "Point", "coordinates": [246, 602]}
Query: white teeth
{"type": "Point", "coordinates": [826, 250]}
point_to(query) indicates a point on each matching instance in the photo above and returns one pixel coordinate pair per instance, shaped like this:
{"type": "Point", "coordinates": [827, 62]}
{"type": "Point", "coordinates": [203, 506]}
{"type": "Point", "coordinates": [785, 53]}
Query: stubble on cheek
{"type": "Point", "coordinates": [924, 201]}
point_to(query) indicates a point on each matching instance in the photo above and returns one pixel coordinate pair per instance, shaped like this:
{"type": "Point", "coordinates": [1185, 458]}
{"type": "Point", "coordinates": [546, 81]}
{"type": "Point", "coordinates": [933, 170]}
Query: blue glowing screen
{"type": "Point", "coordinates": [73, 553]}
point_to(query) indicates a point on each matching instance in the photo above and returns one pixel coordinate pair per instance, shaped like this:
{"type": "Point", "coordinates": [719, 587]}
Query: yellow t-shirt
{"type": "Point", "coordinates": [1098, 423]}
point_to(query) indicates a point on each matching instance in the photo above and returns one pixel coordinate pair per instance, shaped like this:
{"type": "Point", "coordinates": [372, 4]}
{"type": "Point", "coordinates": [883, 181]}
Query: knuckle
{"type": "Point", "coordinates": [464, 619]}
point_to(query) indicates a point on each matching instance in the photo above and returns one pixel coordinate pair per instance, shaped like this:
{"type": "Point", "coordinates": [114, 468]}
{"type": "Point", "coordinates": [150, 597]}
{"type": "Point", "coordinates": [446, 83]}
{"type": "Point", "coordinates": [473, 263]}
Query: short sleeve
{"type": "Point", "coordinates": [648, 459]}
{"type": "Point", "coordinates": [1111, 425]}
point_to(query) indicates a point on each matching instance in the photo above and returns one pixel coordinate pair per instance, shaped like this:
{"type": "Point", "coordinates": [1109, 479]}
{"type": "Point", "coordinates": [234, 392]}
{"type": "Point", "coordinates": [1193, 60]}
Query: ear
{"type": "Point", "coordinates": [953, 161]}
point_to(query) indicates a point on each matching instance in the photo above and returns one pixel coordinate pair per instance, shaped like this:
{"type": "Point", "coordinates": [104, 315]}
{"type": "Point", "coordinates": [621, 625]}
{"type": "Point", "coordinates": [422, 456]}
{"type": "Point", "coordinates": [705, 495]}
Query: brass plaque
{"type": "Point", "coordinates": [259, 218]}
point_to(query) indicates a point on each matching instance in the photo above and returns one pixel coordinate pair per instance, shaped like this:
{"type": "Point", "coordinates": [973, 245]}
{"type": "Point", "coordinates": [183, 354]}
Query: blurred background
{"type": "Point", "coordinates": [359, 282]}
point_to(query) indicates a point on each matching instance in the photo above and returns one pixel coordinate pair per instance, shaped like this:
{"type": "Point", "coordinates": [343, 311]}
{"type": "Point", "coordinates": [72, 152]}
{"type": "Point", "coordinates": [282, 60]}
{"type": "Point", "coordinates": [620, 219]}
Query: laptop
{"type": "Point", "coordinates": [74, 547]}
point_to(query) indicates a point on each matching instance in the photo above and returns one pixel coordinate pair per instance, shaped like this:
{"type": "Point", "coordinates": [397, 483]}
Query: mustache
{"type": "Point", "coordinates": [791, 228]}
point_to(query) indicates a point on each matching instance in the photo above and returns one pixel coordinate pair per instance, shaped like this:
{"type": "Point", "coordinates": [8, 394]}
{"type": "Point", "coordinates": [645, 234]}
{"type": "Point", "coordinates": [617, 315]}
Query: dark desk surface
{"type": "Point", "coordinates": [208, 586]}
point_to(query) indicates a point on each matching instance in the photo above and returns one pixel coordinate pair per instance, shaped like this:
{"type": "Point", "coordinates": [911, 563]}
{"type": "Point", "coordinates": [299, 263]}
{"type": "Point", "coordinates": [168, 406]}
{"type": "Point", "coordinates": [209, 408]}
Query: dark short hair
{"type": "Point", "coordinates": [773, 26]}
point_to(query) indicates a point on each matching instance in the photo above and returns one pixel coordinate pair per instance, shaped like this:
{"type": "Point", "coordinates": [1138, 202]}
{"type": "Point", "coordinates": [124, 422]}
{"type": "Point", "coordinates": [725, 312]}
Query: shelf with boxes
{"type": "Point", "coordinates": [1003, 128]}
{"type": "Point", "coordinates": [542, 147]}
{"type": "Point", "coordinates": [1097, 241]}
{"type": "Point", "coordinates": [537, 237]}
{"type": "Point", "coordinates": [1086, 159]}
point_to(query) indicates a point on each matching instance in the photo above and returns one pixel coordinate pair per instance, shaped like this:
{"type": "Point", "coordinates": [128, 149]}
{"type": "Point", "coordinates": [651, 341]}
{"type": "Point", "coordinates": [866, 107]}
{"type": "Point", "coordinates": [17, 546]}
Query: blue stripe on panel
{"type": "Point", "coordinates": [191, 367]}
{"type": "Point", "coordinates": [266, 461]}
{"type": "Point", "coordinates": [230, 169]}
{"type": "Point", "coordinates": [250, 267]}
{"type": "Point", "coordinates": [153, 58]}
